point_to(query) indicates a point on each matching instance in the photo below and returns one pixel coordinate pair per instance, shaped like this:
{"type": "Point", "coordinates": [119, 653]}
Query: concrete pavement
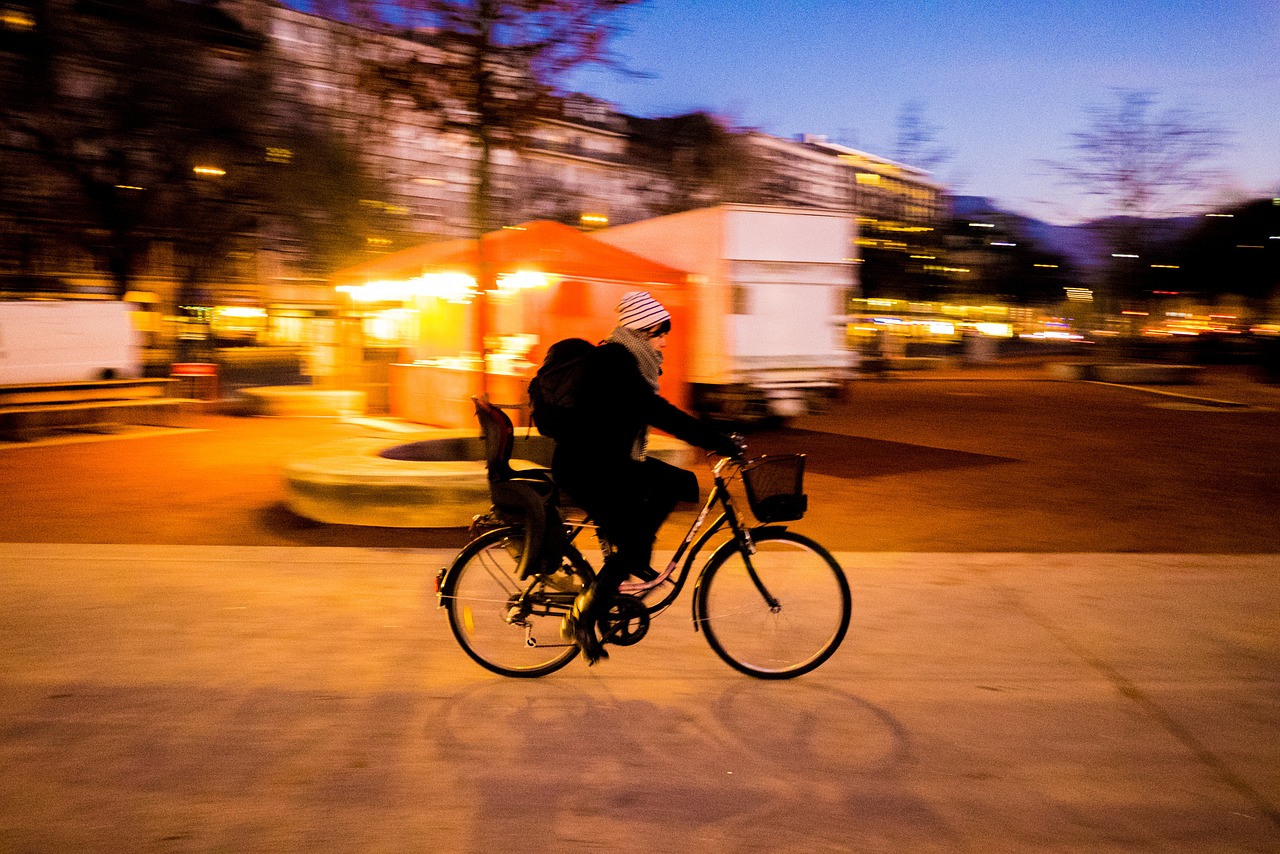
{"type": "Point", "coordinates": [160, 698]}
{"type": "Point", "coordinates": [186, 667]}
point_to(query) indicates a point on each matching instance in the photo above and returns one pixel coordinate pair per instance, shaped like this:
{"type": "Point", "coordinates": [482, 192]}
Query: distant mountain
{"type": "Point", "coordinates": [1081, 244]}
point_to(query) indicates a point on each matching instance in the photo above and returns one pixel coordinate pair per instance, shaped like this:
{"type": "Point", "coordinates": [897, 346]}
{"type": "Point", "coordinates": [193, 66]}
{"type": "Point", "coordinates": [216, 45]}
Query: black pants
{"type": "Point", "coordinates": [629, 502]}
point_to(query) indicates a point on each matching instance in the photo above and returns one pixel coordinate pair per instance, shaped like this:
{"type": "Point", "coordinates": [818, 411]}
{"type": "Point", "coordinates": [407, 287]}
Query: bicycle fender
{"type": "Point", "coordinates": [446, 578]}
{"type": "Point", "coordinates": [727, 546]}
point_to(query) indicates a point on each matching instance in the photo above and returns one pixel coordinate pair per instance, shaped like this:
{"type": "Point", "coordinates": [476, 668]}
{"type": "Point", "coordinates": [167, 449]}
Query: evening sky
{"type": "Point", "coordinates": [1005, 83]}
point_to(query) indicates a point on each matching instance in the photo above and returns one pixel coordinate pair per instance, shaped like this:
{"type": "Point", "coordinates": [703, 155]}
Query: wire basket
{"type": "Point", "coordinates": [775, 487]}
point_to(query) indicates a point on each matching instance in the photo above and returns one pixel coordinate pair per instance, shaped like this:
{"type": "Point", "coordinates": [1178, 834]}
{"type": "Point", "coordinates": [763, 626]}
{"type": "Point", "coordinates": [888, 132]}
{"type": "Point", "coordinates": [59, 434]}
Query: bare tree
{"type": "Point", "coordinates": [496, 64]}
{"type": "Point", "coordinates": [127, 124]}
{"type": "Point", "coordinates": [917, 140]}
{"type": "Point", "coordinates": [1141, 161]}
{"type": "Point", "coordinates": [107, 107]}
{"type": "Point", "coordinates": [706, 162]}
{"type": "Point", "coordinates": [1144, 164]}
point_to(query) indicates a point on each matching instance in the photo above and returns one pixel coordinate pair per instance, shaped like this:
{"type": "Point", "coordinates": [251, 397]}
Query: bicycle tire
{"type": "Point", "coordinates": [496, 623]}
{"type": "Point", "coordinates": [805, 628]}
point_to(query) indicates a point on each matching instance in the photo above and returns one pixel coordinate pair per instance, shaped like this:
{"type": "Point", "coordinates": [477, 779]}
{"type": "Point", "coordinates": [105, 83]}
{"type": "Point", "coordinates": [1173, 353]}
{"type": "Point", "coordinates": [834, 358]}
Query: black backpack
{"type": "Point", "coordinates": [553, 391]}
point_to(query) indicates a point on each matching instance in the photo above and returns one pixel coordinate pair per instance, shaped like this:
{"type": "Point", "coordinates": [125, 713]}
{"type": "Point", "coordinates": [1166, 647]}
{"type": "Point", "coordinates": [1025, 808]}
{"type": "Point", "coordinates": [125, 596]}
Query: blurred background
{"type": "Point", "coordinates": [223, 167]}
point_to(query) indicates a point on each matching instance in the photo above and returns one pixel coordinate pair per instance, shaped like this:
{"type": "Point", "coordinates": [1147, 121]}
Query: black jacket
{"type": "Point", "coordinates": [615, 403]}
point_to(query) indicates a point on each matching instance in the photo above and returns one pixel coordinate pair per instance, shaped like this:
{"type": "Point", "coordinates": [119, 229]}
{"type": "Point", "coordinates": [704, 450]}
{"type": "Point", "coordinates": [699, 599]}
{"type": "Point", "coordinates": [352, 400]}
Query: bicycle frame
{"type": "Point", "coordinates": [693, 544]}
{"type": "Point", "coordinates": [686, 553]}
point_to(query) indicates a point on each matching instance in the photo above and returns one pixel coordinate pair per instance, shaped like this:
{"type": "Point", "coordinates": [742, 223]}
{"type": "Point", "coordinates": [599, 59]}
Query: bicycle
{"type": "Point", "coordinates": [771, 603]}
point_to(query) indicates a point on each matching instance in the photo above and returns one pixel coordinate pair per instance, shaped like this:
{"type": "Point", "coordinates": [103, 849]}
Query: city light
{"type": "Point", "coordinates": [995, 330]}
{"type": "Point", "coordinates": [511, 283]}
{"type": "Point", "coordinates": [17, 19]}
{"type": "Point", "coordinates": [212, 171]}
{"type": "Point", "coordinates": [456, 288]}
{"type": "Point", "coordinates": [452, 287]}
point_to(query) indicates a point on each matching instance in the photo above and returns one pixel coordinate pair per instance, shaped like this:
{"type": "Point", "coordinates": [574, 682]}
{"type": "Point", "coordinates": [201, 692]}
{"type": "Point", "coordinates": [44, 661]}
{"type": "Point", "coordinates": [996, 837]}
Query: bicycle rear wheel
{"type": "Point", "coordinates": [507, 624]}
{"type": "Point", "coordinates": [803, 625]}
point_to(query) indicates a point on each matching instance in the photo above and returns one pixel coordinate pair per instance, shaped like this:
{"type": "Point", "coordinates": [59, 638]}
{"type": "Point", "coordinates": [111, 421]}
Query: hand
{"type": "Point", "coordinates": [733, 446]}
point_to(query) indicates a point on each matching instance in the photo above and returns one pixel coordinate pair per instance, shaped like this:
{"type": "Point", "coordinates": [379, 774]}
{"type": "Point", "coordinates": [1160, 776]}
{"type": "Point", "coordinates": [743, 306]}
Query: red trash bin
{"type": "Point", "coordinates": [197, 380]}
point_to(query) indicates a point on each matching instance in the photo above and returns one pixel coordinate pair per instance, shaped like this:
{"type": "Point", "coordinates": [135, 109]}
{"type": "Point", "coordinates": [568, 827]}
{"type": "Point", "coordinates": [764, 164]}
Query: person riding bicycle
{"type": "Point", "coordinates": [601, 459]}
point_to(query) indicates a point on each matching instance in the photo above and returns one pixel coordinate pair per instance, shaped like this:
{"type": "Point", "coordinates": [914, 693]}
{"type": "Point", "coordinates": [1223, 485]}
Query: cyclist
{"type": "Point", "coordinates": [601, 459]}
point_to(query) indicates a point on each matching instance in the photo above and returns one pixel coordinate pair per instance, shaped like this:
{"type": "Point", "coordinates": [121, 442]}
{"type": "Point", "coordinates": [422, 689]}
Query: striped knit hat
{"type": "Point", "coordinates": [638, 310]}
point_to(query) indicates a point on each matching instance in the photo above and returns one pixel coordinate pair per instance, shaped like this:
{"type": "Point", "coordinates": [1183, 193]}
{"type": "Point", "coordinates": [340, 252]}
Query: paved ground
{"type": "Point", "coordinates": [1065, 639]}
{"type": "Point", "coordinates": [975, 460]}
{"type": "Point", "coordinates": [268, 699]}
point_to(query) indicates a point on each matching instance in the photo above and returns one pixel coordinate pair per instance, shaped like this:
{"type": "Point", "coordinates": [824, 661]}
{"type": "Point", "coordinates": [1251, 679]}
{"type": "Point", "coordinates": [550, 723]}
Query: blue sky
{"type": "Point", "coordinates": [1006, 83]}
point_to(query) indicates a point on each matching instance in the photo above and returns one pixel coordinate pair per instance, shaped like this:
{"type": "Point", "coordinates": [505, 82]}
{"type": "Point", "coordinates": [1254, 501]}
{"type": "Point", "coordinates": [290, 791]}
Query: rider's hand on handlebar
{"type": "Point", "coordinates": [733, 446]}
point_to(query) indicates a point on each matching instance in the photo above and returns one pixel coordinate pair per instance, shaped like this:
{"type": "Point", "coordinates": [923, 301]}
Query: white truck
{"type": "Point", "coordinates": [52, 341]}
{"type": "Point", "coordinates": [771, 286]}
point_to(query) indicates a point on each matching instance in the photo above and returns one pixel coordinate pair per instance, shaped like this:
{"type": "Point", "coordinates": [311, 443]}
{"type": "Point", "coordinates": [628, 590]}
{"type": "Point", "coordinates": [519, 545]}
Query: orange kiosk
{"type": "Point", "coordinates": [488, 309]}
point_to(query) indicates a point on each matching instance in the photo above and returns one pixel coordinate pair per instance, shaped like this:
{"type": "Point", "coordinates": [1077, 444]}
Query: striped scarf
{"type": "Point", "coordinates": [649, 361]}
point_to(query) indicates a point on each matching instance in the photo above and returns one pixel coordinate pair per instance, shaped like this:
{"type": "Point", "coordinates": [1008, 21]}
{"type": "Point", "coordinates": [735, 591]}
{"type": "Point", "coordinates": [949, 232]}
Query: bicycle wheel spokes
{"type": "Point", "coordinates": [503, 622]}
{"type": "Point", "coordinates": [794, 636]}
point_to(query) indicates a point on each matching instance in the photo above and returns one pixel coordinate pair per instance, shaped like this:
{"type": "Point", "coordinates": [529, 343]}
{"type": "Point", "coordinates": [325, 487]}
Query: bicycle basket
{"type": "Point", "coordinates": [775, 487]}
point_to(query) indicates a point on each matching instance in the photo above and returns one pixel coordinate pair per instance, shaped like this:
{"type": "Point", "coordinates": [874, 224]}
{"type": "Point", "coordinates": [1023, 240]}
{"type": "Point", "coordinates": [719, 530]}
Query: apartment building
{"type": "Point", "coordinates": [576, 166]}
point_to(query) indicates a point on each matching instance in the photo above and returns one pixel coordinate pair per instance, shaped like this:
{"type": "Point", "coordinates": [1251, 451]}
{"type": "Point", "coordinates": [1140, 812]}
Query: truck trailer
{"type": "Point", "coordinates": [51, 341]}
{"type": "Point", "coordinates": [770, 288]}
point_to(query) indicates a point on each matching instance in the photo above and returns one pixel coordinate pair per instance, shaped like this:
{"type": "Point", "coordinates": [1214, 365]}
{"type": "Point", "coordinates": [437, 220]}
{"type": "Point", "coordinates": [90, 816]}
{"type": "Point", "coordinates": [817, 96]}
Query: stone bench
{"type": "Point", "coordinates": [1122, 373]}
{"type": "Point", "coordinates": [28, 421]}
{"type": "Point", "coordinates": [21, 394]}
{"type": "Point", "coordinates": [1143, 374]}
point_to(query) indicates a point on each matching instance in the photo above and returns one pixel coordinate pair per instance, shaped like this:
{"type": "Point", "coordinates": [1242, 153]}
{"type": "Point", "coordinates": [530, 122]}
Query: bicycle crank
{"type": "Point", "coordinates": [624, 622]}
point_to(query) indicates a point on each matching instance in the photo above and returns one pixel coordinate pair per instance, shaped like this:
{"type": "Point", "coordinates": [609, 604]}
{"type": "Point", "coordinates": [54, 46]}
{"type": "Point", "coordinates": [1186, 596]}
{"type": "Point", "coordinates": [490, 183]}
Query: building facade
{"type": "Point", "coordinates": [576, 166]}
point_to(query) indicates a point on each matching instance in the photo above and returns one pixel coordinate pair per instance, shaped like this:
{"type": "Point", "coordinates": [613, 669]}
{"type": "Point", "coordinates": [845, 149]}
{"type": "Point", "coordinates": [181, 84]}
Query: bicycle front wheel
{"type": "Point", "coordinates": [505, 623]}
{"type": "Point", "coordinates": [775, 614]}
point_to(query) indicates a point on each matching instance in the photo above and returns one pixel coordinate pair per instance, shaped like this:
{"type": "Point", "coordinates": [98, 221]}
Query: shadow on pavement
{"type": "Point", "coordinates": [842, 456]}
{"type": "Point", "coordinates": [281, 523]}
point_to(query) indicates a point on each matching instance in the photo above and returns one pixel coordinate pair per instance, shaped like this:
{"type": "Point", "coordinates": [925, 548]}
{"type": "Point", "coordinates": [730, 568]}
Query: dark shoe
{"type": "Point", "coordinates": [579, 626]}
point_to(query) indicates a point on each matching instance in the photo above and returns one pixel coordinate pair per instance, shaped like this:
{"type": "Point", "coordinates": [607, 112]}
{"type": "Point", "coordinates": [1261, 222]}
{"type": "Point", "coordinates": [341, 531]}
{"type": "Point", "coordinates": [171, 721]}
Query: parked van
{"type": "Point", "coordinates": [49, 341]}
